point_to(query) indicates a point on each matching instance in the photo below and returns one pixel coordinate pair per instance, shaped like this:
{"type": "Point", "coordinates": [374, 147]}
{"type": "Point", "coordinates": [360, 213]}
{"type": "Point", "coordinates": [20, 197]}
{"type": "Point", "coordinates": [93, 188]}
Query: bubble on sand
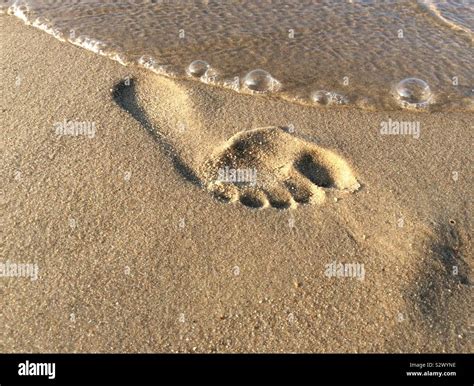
{"type": "Point", "coordinates": [261, 81]}
{"type": "Point", "coordinates": [323, 97]}
{"type": "Point", "coordinates": [320, 97]}
{"type": "Point", "coordinates": [198, 68]}
{"type": "Point", "coordinates": [413, 93]}
{"type": "Point", "coordinates": [211, 76]}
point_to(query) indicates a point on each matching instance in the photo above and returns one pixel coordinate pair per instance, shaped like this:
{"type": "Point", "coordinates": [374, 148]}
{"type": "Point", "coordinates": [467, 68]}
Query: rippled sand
{"type": "Point", "coordinates": [357, 51]}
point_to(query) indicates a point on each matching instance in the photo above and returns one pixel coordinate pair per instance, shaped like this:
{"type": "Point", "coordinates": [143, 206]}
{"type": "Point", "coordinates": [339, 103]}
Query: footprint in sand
{"type": "Point", "coordinates": [263, 167]}
{"type": "Point", "coordinates": [271, 167]}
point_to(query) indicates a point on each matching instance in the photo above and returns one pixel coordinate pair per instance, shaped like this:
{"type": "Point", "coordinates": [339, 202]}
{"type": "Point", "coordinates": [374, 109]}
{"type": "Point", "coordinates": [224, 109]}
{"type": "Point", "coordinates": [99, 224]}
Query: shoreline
{"type": "Point", "coordinates": [334, 96]}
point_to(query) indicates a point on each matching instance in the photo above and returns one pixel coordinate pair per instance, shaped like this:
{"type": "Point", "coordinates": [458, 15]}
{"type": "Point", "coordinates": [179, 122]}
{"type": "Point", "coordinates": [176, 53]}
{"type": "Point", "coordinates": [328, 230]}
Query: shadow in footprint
{"type": "Point", "coordinates": [124, 94]}
{"type": "Point", "coordinates": [314, 172]}
{"type": "Point", "coordinates": [250, 201]}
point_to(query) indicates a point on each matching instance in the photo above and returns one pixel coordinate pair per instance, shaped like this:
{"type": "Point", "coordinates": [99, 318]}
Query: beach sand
{"type": "Point", "coordinates": [135, 254]}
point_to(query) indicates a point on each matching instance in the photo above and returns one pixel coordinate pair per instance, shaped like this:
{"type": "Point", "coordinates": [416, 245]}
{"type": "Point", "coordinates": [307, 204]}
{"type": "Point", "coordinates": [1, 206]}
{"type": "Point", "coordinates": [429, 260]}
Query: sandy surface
{"type": "Point", "coordinates": [136, 255]}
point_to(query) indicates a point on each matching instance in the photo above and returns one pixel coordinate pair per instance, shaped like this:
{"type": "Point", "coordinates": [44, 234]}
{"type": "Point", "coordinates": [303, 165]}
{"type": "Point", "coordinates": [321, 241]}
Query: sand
{"type": "Point", "coordinates": [136, 254]}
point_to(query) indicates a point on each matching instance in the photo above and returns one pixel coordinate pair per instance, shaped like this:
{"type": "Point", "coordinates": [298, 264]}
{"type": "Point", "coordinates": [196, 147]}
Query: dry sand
{"type": "Point", "coordinates": [135, 255]}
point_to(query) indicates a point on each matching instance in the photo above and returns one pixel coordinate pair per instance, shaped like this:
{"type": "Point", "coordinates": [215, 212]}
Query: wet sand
{"type": "Point", "coordinates": [134, 253]}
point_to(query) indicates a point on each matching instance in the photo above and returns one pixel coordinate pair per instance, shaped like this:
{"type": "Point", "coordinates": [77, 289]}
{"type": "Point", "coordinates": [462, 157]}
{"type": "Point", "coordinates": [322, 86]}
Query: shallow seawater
{"type": "Point", "coordinates": [324, 53]}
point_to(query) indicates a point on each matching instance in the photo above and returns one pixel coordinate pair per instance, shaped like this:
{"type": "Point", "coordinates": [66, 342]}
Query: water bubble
{"type": "Point", "coordinates": [323, 97]}
{"type": "Point", "coordinates": [320, 97]}
{"type": "Point", "coordinates": [413, 92]}
{"type": "Point", "coordinates": [198, 68]}
{"type": "Point", "coordinates": [210, 76]}
{"type": "Point", "coordinates": [261, 81]}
